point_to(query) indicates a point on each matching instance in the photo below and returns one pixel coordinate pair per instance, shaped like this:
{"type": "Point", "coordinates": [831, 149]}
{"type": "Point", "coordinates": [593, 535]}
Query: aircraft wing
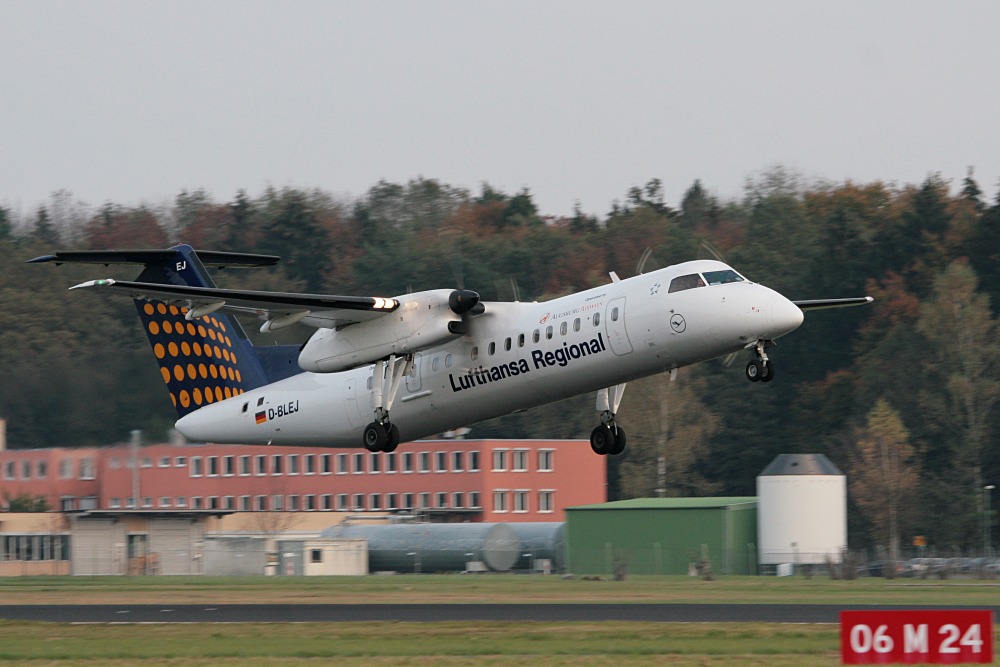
{"type": "Point", "coordinates": [279, 308]}
{"type": "Point", "coordinates": [819, 304]}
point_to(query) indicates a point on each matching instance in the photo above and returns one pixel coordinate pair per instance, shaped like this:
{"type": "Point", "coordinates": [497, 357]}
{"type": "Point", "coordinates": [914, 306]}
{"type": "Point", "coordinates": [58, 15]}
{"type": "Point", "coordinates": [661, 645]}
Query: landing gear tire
{"type": "Point", "coordinates": [602, 440]}
{"type": "Point", "coordinates": [767, 374]}
{"type": "Point", "coordinates": [620, 440]}
{"type": "Point", "coordinates": [755, 370]}
{"type": "Point", "coordinates": [375, 437]}
{"type": "Point", "coordinates": [392, 439]}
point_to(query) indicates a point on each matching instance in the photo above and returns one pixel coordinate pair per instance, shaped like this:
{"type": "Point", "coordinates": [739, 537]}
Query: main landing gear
{"type": "Point", "coordinates": [381, 435]}
{"type": "Point", "coordinates": [761, 369]}
{"type": "Point", "coordinates": [608, 438]}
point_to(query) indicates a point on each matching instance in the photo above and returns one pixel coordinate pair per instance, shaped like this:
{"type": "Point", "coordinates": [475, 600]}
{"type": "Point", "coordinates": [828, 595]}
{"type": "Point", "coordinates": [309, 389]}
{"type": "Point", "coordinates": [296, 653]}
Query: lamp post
{"type": "Point", "coordinates": [987, 545]}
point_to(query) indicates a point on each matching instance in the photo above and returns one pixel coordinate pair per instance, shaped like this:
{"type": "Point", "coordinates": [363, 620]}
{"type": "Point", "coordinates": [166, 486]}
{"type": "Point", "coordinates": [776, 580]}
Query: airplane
{"type": "Point", "coordinates": [381, 370]}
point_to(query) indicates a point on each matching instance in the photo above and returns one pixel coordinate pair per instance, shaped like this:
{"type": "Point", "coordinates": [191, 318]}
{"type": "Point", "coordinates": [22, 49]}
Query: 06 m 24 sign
{"type": "Point", "coordinates": [944, 637]}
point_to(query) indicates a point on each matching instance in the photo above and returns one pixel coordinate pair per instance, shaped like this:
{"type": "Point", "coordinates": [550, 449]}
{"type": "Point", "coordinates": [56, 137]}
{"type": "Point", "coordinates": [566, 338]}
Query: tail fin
{"type": "Point", "coordinates": [203, 360]}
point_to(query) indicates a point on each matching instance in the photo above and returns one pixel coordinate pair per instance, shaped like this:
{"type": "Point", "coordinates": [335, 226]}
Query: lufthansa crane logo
{"type": "Point", "coordinates": [677, 323]}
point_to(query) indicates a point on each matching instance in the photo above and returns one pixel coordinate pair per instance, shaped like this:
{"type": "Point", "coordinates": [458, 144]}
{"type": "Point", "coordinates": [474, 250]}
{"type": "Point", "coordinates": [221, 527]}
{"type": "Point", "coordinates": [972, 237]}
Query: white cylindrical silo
{"type": "Point", "coordinates": [801, 511]}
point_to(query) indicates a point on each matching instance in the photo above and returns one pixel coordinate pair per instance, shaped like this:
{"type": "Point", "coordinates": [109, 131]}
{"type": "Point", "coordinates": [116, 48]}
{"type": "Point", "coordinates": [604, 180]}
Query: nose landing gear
{"type": "Point", "coordinates": [761, 369]}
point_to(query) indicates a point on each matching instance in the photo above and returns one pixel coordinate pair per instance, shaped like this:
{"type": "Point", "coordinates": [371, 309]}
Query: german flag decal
{"type": "Point", "coordinates": [261, 417]}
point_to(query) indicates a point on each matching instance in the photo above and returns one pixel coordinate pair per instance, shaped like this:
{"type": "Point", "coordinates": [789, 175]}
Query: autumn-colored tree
{"type": "Point", "coordinates": [883, 475]}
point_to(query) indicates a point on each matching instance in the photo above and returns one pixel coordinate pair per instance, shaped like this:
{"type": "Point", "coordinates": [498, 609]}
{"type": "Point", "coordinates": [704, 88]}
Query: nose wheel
{"type": "Point", "coordinates": [761, 369]}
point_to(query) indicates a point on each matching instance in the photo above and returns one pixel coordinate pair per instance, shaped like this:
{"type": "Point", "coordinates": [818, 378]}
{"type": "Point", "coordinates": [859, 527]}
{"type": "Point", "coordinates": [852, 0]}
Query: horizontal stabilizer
{"type": "Point", "coordinates": [819, 304]}
{"type": "Point", "coordinates": [208, 258]}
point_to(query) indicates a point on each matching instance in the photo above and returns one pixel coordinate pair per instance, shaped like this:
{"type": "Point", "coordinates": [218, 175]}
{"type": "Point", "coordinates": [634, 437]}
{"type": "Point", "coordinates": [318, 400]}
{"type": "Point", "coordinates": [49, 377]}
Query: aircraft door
{"type": "Point", "coordinates": [614, 322]}
{"type": "Point", "coordinates": [351, 403]}
{"type": "Point", "coordinates": [413, 378]}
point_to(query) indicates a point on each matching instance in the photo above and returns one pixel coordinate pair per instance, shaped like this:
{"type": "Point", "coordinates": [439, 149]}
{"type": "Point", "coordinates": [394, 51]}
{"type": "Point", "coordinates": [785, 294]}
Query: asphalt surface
{"type": "Point", "coordinates": [340, 613]}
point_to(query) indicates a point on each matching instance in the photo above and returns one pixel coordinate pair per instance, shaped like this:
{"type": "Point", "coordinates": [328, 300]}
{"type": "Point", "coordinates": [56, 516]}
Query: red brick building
{"type": "Point", "coordinates": [444, 480]}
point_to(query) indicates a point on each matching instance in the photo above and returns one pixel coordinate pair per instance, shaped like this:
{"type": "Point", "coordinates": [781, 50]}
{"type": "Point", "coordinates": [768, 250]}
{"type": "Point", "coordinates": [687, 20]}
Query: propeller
{"type": "Point", "coordinates": [465, 301]}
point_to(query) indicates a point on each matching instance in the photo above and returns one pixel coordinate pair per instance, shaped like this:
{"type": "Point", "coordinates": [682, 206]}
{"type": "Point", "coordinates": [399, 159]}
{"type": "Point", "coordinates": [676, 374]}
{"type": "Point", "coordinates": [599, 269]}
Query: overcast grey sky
{"type": "Point", "coordinates": [134, 101]}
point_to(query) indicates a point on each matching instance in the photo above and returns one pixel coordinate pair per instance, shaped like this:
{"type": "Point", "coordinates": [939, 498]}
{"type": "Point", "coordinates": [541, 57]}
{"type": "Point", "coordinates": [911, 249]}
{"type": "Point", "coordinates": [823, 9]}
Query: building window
{"type": "Point", "coordinates": [67, 503]}
{"type": "Point", "coordinates": [545, 460]}
{"type": "Point", "coordinates": [441, 499]}
{"type": "Point", "coordinates": [519, 460]}
{"type": "Point", "coordinates": [407, 461]}
{"type": "Point", "coordinates": [327, 502]}
{"type": "Point", "coordinates": [545, 502]}
{"type": "Point", "coordinates": [65, 468]}
{"type": "Point", "coordinates": [277, 503]}
{"type": "Point", "coordinates": [293, 464]}
{"type": "Point", "coordinates": [260, 464]}
{"type": "Point", "coordinates": [499, 460]}
{"type": "Point", "coordinates": [213, 502]}
{"type": "Point", "coordinates": [425, 461]}
{"type": "Point", "coordinates": [244, 465]}
{"type": "Point", "coordinates": [325, 462]}
{"type": "Point", "coordinates": [390, 462]}
{"type": "Point", "coordinates": [474, 499]}
{"type": "Point", "coordinates": [180, 461]}
{"type": "Point", "coordinates": [87, 468]}
{"type": "Point", "coordinates": [473, 461]}
{"type": "Point", "coordinates": [309, 464]}
{"type": "Point", "coordinates": [309, 503]}
{"type": "Point", "coordinates": [359, 501]}
{"type": "Point", "coordinates": [276, 464]}
{"type": "Point", "coordinates": [147, 501]}
{"type": "Point", "coordinates": [181, 501]}
{"type": "Point", "coordinates": [359, 463]}
{"type": "Point", "coordinates": [315, 555]}
{"type": "Point", "coordinates": [425, 500]}
{"type": "Point", "coordinates": [375, 502]}
{"type": "Point", "coordinates": [390, 501]}
{"type": "Point", "coordinates": [341, 464]}
{"type": "Point", "coordinates": [244, 503]}
{"type": "Point", "coordinates": [456, 500]}
{"type": "Point", "coordinates": [25, 469]}
{"type": "Point", "coordinates": [520, 501]}
{"type": "Point", "coordinates": [341, 502]}
{"type": "Point", "coordinates": [293, 503]}
{"type": "Point", "coordinates": [196, 503]}
{"type": "Point", "coordinates": [456, 461]}
{"type": "Point", "coordinates": [260, 503]}
{"type": "Point", "coordinates": [213, 466]}
{"type": "Point", "coordinates": [374, 462]}
{"type": "Point", "coordinates": [115, 463]}
{"type": "Point", "coordinates": [164, 462]}
{"type": "Point", "coordinates": [441, 461]}
{"type": "Point", "coordinates": [228, 466]}
{"type": "Point", "coordinates": [115, 503]}
{"type": "Point", "coordinates": [196, 466]}
{"type": "Point", "coordinates": [407, 501]}
{"type": "Point", "coordinates": [229, 503]}
{"type": "Point", "coordinates": [500, 501]}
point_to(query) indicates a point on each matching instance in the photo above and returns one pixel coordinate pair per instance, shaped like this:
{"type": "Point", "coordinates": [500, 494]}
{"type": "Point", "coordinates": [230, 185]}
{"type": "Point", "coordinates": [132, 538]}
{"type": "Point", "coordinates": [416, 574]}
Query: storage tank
{"type": "Point", "coordinates": [435, 547]}
{"type": "Point", "coordinates": [540, 539]}
{"type": "Point", "coordinates": [802, 511]}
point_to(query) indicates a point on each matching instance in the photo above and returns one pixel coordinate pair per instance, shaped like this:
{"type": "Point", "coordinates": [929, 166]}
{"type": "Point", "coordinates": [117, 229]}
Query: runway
{"type": "Point", "coordinates": [424, 613]}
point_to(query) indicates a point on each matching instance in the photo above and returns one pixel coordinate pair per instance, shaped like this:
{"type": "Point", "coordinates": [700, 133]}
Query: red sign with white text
{"type": "Point", "coordinates": [916, 637]}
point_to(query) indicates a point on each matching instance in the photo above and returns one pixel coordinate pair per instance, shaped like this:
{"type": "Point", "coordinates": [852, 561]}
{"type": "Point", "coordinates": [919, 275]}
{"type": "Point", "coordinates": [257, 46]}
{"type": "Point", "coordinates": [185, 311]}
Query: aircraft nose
{"type": "Point", "coordinates": [785, 316]}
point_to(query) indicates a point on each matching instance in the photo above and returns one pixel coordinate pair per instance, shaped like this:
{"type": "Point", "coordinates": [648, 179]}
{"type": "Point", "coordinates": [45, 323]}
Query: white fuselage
{"type": "Point", "coordinates": [513, 357]}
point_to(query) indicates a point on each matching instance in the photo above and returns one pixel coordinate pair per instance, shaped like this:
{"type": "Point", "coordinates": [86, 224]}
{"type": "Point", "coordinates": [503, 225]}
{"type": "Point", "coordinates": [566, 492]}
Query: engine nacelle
{"type": "Point", "coordinates": [422, 320]}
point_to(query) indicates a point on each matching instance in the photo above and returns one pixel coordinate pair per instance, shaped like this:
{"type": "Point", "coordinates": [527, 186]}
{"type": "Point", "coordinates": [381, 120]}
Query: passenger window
{"type": "Point", "coordinates": [520, 340]}
{"type": "Point", "coordinates": [436, 364]}
{"type": "Point", "coordinates": [576, 324]}
{"type": "Point", "coordinates": [370, 383]}
{"type": "Point", "coordinates": [563, 328]}
{"type": "Point", "coordinates": [597, 319]}
{"type": "Point", "coordinates": [492, 348]}
{"type": "Point", "coordinates": [548, 332]}
{"type": "Point", "coordinates": [614, 314]}
{"type": "Point", "coordinates": [475, 352]}
{"type": "Point", "coordinates": [447, 361]}
{"type": "Point", "coordinates": [681, 283]}
{"type": "Point", "coordinates": [506, 345]}
{"type": "Point", "coordinates": [534, 336]}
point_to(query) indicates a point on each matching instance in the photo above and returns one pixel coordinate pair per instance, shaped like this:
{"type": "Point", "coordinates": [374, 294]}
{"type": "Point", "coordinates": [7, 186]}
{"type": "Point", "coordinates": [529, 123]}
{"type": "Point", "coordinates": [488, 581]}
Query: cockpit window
{"type": "Point", "coordinates": [723, 277]}
{"type": "Point", "coordinates": [681, 283]}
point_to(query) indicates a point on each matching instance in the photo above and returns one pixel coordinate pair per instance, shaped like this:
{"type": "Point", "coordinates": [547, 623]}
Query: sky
{"type": "Point", "coordinates": [578, 101]}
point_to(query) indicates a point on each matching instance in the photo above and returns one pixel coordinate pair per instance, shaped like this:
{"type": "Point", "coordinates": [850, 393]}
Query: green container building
{"type": "Point", "coordinates": [663, 536]}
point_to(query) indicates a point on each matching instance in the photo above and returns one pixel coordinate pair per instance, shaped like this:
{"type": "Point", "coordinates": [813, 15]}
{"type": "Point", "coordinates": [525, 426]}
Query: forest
{"type": "Point", "coordinates": [900, 395]}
